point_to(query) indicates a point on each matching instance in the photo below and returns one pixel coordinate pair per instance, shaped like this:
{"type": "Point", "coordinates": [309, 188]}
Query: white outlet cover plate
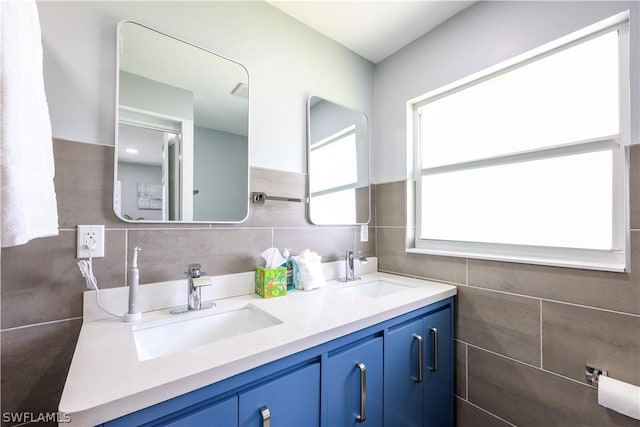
{"type": "Point", "coordinates": [364, 233]}
{"type": "Point", "coordinates": [98, 232]}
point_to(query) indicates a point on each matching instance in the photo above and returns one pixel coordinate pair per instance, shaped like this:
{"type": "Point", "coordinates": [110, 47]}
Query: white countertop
{"type": "Point", "coordinates": [106, 380]}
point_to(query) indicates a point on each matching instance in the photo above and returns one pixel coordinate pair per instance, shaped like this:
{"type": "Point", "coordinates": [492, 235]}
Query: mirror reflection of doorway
{"type": "Point", "coordinates": [149, 173]}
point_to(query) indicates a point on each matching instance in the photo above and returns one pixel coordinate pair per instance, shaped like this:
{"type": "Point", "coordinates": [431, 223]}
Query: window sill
{"type": "Point", "coordinates": [616, 263]}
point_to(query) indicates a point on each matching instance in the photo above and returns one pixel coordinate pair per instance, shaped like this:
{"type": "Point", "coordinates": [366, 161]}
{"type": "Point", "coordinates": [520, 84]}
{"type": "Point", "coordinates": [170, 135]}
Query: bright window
{"type": "Point", "coordinates": [526, 162]}
{"type": "Point", "coordinates": [334, 179]}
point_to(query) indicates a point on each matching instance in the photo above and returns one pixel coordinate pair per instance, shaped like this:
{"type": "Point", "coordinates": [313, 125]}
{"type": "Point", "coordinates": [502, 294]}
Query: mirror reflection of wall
{"type": "Point", "coordinates": [194, 105]}
{"type": "Point", "coordinates": [338, 150]}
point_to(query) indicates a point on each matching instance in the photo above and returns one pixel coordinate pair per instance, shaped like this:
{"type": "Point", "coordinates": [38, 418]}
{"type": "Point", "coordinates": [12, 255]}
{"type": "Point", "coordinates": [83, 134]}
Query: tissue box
{"type": "Point", "coordinates": [271, 282]}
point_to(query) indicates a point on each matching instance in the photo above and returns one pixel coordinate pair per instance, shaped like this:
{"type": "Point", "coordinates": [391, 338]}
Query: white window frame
{"type": "Point", "coordinates": [618, 259]}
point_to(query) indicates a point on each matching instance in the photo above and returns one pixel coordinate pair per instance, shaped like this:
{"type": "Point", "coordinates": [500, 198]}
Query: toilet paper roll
{"type": "Point", "coordinates": [619, 396]}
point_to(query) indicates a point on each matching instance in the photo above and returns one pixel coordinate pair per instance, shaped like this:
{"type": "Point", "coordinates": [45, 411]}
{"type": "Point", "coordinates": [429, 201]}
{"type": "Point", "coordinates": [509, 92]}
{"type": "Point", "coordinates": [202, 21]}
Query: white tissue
{"type": "Point", "coordinates": [272, 257]}
{"type": "Point", "coordinates": [310, 275]}
{"type": "Point", "coordinates": [619, 396]}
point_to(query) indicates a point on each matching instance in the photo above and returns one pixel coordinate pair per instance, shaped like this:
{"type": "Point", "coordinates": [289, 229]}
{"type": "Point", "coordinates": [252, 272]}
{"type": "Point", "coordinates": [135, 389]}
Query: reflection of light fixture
{"type": "Point", "coordinates": [241, 90]}
{"type": "Point", "coordinates": [131, 151]}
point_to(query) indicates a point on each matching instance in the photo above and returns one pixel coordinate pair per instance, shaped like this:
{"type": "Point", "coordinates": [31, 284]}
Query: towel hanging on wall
{"type": "Point", "coordinates": [28, 198]}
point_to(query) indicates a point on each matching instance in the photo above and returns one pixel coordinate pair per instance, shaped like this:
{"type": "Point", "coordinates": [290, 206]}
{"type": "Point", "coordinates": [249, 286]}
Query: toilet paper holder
{"type": "Point", "coordinates": [591, 375]}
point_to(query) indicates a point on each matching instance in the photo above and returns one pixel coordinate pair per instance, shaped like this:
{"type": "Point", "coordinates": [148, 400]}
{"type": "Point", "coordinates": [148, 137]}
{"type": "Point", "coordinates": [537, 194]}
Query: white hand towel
{"type": "Point", "coordinates": [28, 198]}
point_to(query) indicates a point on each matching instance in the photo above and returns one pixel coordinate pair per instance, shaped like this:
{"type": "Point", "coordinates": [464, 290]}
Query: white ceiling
{"type": "Point", "coordinates": [372, 29]}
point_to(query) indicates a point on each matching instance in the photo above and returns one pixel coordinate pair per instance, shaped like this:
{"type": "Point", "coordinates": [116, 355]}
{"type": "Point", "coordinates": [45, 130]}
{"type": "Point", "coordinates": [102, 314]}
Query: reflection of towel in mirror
{"type": "Point", "coordinates": [310, 275]}
{"type": "Point", "coordinates": [28, 196]}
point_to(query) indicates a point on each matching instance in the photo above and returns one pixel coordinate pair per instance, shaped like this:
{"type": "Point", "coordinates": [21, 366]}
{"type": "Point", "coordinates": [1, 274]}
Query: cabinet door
{"type": "Point", "coordinates": [354, 384]}
{"type": "Point", "coordinates": [438, 388]}
{"type": "Point", "coordinates": [404, 363]}
{"type": "Point", "coordinates": [221, 414]}
{"type": "Point", "coordinates": [292, 400]}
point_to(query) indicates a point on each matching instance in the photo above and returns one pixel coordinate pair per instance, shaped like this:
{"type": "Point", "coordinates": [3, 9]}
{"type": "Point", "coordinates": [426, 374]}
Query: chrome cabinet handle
{"type": "Point", "coordinates": [363, 393]}
{"type": "Point", "coordinates": [435, 349]}
{"type": "Point", "coordinates": [420, 376]}
{"type": "Point", "coordinates": [266, 416]}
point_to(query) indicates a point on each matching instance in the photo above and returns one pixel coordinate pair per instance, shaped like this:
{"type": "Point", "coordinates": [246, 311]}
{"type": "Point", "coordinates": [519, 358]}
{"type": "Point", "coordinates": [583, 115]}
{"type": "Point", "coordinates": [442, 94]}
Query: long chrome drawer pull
{"type": "Point", "coordinates": [266, 416]}
{"type": "Point", "coordinates": [363, 393]}
{"type": "Point", "coordinates": [420, 376]}
{"type": "Point", "coordinates": [435, 349]}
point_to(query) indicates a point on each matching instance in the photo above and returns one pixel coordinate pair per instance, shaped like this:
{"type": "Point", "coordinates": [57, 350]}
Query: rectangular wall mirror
{"type": "Point", "coordinates": [182, 147]}
{"type": "Point", "coordinates": [338, 164]}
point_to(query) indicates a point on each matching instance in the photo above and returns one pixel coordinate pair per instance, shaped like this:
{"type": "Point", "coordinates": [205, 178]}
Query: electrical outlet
{"type": "Point", "coordinates": [364, 233]}
{"type": "Point", "coordinates": [90, 236]}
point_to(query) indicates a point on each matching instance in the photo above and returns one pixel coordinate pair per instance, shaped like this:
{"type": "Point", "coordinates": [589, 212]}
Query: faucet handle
{"type": "Point", "coordinates": [198, 282]}
{"type": "Point", "coordinates": [193, 270]}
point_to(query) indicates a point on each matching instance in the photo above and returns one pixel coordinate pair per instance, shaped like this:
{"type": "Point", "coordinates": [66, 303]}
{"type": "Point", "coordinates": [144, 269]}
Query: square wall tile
{"type": "Point", "coordinates": [614, 291]}
{"type": "Point", "coordinates": [166, 253]}
{"type": "Point", "coordinates": [573, 337]}
{"type": "Point", "coordinates": [35, 363]}
{"type": "Point", "coordinates": [391, 204]}
{"type": "Point", "coordinates": [393, 258]}
{"type": "Point", "coordinates": [505, 324]}
{"type": "Point", "coordinates": [468, 415]}
{"type": "Point", "coordinates": [276, 213]}
{"type": "Point", "coordinates": [530, 397]}
{"type": "Point", "coordinates": [329, 242]}
{"type": "Point", "coordinates": [41, 281]}
{"type": "Point", "coordinates": [84, 184]}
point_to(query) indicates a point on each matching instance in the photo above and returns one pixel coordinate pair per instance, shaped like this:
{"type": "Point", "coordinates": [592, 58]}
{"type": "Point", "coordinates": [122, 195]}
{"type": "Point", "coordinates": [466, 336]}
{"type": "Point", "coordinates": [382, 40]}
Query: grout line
{"type": "Point", "coordinates": [541, 359]}
{"type": "Point", "coordinates": [51, 322]}
{"type": "Point", "coordinates": [490, 413]}
{"type": "Point", "coordinates": [556, 301]}
{"type": "Point", "coordinates": [466, 365]}
{"type": "Point", "coordinates": [532, 366]}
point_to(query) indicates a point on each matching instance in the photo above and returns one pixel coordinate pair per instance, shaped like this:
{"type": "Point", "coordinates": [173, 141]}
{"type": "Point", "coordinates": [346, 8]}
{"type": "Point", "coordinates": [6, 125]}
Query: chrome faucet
{"type": "Point", "coordinates": [194, 297]}
{"type": "Point", "coordinates": [349, 265]}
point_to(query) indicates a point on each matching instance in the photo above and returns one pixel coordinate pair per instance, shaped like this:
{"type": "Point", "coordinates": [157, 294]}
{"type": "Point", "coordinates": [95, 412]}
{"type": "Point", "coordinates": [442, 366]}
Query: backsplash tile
{"type": "Point", "coordinates": [573, 337]}
{"type": "Point", "coordinates": [167, 253]}
{"type": "Point", "coordinates": [277, 213]}
{"type": "Point", "coordinates": [505, 324]}
{"type": "Point", "coordinates": [84, 184]}
{"type": "Point", "coordinates": [330, 242]}
{"type": "Point", "coordinates": [391, 204]}
{"type": "Point", "coordinates": [614, 291]}
{"type": "Point", "coordinates": [41, 281]}
{"type": "Point", "coordinates": [392, 257]}
{"type": "Point", "coordinates": [35, 361]}
{"type": "Point", "coordinates": [530, 397]}
{"type": "Point", "coordinates": [468, 415]}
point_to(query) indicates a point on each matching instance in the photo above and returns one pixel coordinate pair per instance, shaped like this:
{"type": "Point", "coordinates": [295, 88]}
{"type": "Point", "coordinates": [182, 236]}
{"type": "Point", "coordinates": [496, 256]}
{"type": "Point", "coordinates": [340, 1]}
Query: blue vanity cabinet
{"type": "Point", "coordinates": [353, 378]}
{"type": "Point", "coordinates": [418, 376]}
{"type": "Point", "coordinates": [291, 400]}
{"type": "Point", "coordinates": [438, 381]}
{"type": "Point", "coordinates": [220, 414]}
{"type": "Point", "coordinates": [386, 374]}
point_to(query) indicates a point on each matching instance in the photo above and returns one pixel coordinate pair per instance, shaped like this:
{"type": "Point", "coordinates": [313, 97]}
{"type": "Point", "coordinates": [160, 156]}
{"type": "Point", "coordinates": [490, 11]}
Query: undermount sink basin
{"type": "Point", "coordinates": [376, 289]}
{"type": "Point", "coordinates": [180, 333]}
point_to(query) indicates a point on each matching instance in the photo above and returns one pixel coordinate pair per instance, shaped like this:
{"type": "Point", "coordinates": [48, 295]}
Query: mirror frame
{"type": "Point", "coordinates": [117, 122]}
{"type": "Point", "coordinates": [308, 153]}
